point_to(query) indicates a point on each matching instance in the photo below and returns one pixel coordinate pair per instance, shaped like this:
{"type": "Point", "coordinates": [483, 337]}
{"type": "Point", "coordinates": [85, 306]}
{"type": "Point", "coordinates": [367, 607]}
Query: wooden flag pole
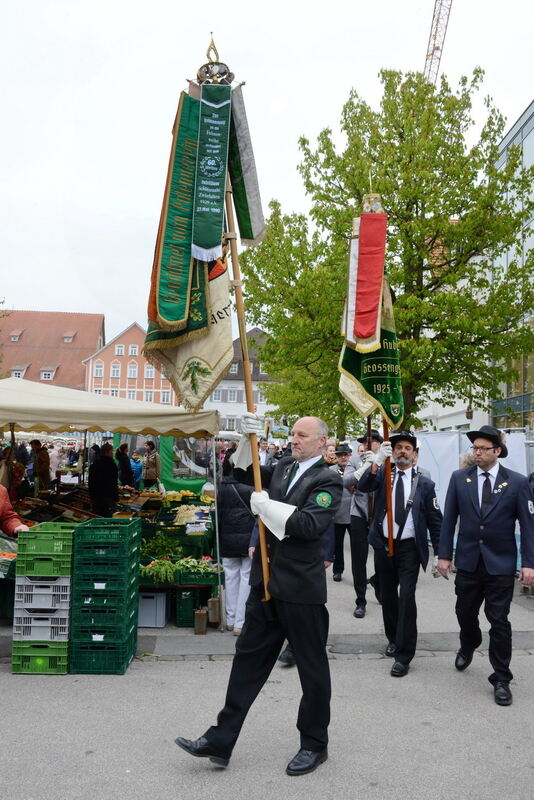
{"type": "Point", "coordinates": [247, 377]}
{"type": "Point", "coordinates": [387, 484]}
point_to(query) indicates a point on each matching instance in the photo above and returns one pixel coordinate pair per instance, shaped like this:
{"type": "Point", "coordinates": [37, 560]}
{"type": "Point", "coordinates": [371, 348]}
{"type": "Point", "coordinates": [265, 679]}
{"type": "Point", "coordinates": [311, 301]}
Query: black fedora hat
{"type": "Point", "coordinates": [375, 436]}
{"type": "Point", "coordinates": [343, 449]}
{"type": "Point", "coordinates": [403, 436]}
{"type": "Point", "coordinates": [492, 434]}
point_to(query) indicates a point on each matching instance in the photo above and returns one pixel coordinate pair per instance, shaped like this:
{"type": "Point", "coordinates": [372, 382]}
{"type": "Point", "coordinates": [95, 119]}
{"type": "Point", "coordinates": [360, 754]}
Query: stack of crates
{"type": "Point", "coordinates": [42, 599]}
{"type": "Point", "coordinates": [105, 595]}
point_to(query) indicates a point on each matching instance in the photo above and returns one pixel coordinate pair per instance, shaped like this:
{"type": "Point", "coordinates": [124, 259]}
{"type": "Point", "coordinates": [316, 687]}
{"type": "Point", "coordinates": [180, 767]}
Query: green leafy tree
{"type": "Point", "coordinates": [456, 224]}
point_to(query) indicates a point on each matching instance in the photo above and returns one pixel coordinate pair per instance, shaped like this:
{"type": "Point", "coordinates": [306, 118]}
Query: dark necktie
{"type": "Point", "coordinates": [486, 493]}
{"type": "Point", "coordinates": [399, 498]}
{"type": "Point", "coordinates": [292, 472]}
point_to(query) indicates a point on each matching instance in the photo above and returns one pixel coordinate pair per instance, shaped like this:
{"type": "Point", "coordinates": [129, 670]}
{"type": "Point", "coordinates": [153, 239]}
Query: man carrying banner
{"type": "Point", "coordinates": [304, 495]}
{"type": "Point", "coordinates": [415, 510]}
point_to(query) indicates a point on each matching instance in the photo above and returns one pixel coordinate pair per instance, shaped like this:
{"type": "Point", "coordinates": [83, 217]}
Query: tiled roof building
{"type": "Point", "coordinates": [49, 346]}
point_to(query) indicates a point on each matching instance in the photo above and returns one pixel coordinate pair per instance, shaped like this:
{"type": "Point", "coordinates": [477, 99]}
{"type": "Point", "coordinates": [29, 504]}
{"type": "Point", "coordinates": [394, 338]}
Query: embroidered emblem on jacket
{"type": "Point", "coordinates": [324, 499]}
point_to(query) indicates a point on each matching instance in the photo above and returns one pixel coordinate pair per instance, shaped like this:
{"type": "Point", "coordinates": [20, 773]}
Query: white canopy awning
{"type": "Point", "coordinates": [32, 406]}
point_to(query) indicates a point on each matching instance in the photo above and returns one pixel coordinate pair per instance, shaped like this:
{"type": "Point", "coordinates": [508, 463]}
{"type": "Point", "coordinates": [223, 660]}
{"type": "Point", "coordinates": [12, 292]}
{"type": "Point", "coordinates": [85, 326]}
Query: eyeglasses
{"type": "Point", "coordinates": [481, 449]}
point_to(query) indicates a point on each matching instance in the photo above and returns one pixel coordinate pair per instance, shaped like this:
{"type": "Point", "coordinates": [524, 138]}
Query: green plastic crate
{"type": "Point", "coordinates": [187, 600]}
{"type": "Point", "coordinates": [102, 568]}
{"type": "Point", "coordinates": [104, 626]}
{"type": "Point", "coordinates": [103, 606]}
{"type": "Point", "coordinates": [45, 543]}
{"type": "Point", "coordinates": [105, 597]}
{"type": "Point", "coordinates": [85, 581]}
{"type": "Point", "coordinates": [40, 658]}
{"type": "Point", "coordinates": [53, 527]}
{"type": "Point", "coordinates": [103, 658]}
{"type": "Point", "coordinates": [198, 578]}
{"type": "Point", "coordinates": [44, 566]}
{"type": "Point", "coordinates": [119, 526]}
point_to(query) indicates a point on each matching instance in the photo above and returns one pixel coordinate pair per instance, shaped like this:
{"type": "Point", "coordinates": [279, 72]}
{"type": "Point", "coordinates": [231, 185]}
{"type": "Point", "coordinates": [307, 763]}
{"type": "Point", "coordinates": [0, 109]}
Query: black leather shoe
{"type": "Point", "coordinates": [306, 761]}
{"type": "Point", "coordinates": [336, 577]}
{"type": "Point", "coordinates": [202, 749]}
{"type": "Point", "coordinates": [399, 670]}
{"type": "Point", "coordinates": [463, 659]}
{"type": "Point", "coordinates": [287, 657]}
{"type": "Point", "coordinates": [359, 612]}
{"type": "Point", "coordinates": [502, 693]}
{"type": "Point", "coordinates": [391, 649]}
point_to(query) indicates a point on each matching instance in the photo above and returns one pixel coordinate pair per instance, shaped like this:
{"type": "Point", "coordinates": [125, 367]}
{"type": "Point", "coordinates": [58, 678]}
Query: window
{"type": "Point", "coordinates": [132, 370]}
{"type": "Point", "coordinates": [133, 350]}
{"type": "Point", "coordinates": [261, 397]}
{"type": "Point", "coordinates": [216, 396]}
{"type": "Point", "coordinates": [97, 391]}
{"type": "Point", "coordinates": [233, 368]}
{"type": "Point", "coordinates": [148, 397]}
{"type": "Point", "coordinates": [131, 394]}
{"type": "Point", "coordinates": [17, 373]}
{"type": "Point", "coordinates": [114, 392]}
{"type": "Point", "coordinates": [149, 371]}
{"type": "Point", "coordinates": [67, 339]}
{"type": "Point", "coordinates": [119, 349]}
{"type": "Point", "coordinates": [115, 370]}
{"type": "Point", "coordinates": [46, 374]}
{"type": "Point", "coordinates": [232, 395]}
{"type": "Point", "coordinates": [99, 370]}
{"type": "Point", "coordinates": [230, 424]}
{"type": "Point", "coordinates": [165, 397]}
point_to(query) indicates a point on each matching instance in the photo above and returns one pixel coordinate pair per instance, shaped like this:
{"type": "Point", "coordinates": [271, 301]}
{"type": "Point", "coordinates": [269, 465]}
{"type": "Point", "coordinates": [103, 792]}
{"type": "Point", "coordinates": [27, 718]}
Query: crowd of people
{"type": "Point", "coordinates": [320, 487]}
{"type": "Point", "coordinates": [36, 466]}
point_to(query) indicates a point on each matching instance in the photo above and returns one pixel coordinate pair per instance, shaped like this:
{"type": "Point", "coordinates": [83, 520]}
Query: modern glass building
{"type": "Point", "coordinates": [516, 409]}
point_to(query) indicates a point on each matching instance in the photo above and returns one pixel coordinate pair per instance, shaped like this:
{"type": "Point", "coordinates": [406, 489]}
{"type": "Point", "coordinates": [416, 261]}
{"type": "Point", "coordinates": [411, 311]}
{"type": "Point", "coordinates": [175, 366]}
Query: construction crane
{"type": "Point", "coordinates": [442, 9]}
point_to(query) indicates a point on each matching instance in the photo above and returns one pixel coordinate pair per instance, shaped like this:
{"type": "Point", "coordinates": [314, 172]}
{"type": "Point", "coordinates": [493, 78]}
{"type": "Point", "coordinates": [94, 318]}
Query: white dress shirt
{"type": "Point", "coordinates": [408, 532]}
{"type": "Point", "coordinates": [302, 467]}
{"type": "Point", "coordinates": [481, 478]}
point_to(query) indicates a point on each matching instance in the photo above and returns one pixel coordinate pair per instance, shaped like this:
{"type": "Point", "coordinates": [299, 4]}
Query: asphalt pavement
{"type": "Point", "coordinates": [435, 733]}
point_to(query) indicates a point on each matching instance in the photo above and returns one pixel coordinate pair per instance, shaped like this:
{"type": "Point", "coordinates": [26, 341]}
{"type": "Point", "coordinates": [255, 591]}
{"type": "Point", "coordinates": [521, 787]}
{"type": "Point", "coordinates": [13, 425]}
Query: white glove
{"type": "Point", "coordinates": [435, 570]}
{"type": "Point", "coordinates": [250, 423]}
{"type": "Point", "coordinates": [384, 451]}
{"type": "Point", "coordinates": [272, 513]}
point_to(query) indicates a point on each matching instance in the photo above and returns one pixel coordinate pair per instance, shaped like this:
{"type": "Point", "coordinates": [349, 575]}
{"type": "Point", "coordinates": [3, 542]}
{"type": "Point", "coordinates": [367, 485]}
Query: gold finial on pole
{"type": "Point", "coordinates": [210, 49]}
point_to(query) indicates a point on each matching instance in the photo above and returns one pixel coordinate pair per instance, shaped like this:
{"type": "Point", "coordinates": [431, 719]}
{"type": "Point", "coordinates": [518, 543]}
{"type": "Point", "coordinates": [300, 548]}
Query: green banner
{"type": "Point", "coordinates": [197, 323]}
{"type": "Point", "coordinates": [211, 166]}
{"type": "Point", "coordinates": [172, 275]}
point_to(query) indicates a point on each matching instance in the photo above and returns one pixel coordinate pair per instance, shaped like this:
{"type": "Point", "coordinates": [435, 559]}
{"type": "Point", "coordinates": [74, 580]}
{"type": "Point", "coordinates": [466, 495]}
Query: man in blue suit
{"type": "Point", "coordinates": [488, 499]}
{"type": "Point", "coordinates": [415, 510]}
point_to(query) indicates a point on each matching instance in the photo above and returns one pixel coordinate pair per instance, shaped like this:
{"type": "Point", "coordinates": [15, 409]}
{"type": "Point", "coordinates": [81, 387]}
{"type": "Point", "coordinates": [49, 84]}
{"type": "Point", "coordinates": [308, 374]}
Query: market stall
{"type": "Point", "coordinates": [186, 520]}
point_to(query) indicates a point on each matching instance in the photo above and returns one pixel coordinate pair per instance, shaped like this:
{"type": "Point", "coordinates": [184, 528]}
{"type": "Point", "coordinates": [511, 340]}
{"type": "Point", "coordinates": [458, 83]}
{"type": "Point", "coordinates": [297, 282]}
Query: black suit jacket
{"type": "Point", "coordinates": [297, 562]}
{"type": "Point", "coordinates": [425, 512]}
{"type": "Point", "coordinates": [491, 536]}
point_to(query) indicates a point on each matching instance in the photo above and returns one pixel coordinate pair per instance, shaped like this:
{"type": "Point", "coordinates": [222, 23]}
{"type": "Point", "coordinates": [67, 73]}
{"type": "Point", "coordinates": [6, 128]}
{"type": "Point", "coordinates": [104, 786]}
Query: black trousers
{"type": "Point", "coordinates": [339, 541]}
{"type": "Point", "coordinates": [496, 591]}
{"type": "Point", "coordinates": [359, 550]}
{"type": "Point", "coordinates": [257, 648]}
{"type": "Point", "coordinates": [398, 580]}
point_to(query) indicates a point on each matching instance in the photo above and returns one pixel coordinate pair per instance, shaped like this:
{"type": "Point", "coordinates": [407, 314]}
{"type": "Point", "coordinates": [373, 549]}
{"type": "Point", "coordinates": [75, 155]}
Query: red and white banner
{"type": "Point", "coordinates": [361, 327]}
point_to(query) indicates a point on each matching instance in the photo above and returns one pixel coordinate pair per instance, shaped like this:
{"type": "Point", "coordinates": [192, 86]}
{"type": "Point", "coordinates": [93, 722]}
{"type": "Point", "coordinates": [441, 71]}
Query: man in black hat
{"type": "Point", "coordinates": [342, 518]}
{"type": "Point", "coordinates": [488, 499]}
{"type": "Point", "coordinates": [415, 510]}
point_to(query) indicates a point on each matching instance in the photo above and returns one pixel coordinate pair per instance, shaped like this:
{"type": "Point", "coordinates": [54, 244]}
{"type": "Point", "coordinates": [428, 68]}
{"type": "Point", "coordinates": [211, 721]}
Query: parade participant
{"type": "Point", "coordinates": [415, 510]}
{"type": "Point", "coordinates": [330, 454]}
{"type": "Point", "coordinates": [342, 518]}
{"type": "Point", "coordinates": [266, 457]}
{"type": "Point", "coordinates": [10, 522]}
{"type": "Point", "coordinates": [103, 482]}
{"type": "Point", "coordinates": [359, 522]}
{"type": "Point", "coordinates": [303, 497]}
{"type": "Point", "coordinates": [488, 499]}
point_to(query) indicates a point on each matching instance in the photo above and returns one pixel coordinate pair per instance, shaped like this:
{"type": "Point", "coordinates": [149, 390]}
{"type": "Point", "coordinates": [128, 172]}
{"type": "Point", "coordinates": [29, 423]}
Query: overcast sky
{"type": "Point", "coordinates": [89, 90]}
